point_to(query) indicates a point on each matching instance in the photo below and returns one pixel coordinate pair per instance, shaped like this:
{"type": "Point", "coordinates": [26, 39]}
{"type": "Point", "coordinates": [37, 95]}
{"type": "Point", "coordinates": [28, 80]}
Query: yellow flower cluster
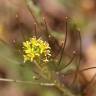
{"type": "Point", "coordinates": [36, 49]}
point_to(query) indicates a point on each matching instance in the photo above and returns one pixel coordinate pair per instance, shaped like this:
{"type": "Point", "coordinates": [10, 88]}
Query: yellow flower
{"type": "Point", "coordinates": [36, 49]}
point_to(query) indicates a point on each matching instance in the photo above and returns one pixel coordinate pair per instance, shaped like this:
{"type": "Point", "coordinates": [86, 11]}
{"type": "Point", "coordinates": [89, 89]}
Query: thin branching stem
{"type": "Point", "coordinates": [41, 73]}
{"type": "Point", "coordinates": [69, 62]}
{"type": "Point", "coordinates": [48, 35]}
{"type": "Point", "coordinates": [64, 90]}
{"type": "Point", "coordinates": [39, 84]}
{"type": "Point", "coordinates": [31, 11]}
{"type": "Point", "coordinates": [46, 28]}
{"type": "Point", "coordinates": [77, 69]}
{"type": "Point", "coordinates": [90, 82]}
{"type": "Point", "coordinates": [35, 30]}
{"type": "Point", "coordinates": [85, 69]}
{"type": "Point", "coordinates": [64, 44]}
{"type": "Point", "coordinates": [80, 50]}
{"type": "Point", "coordinates": [1, 40]}
{"type": "Point", "coordinates": [27, 82]}
{"type": "Point", "coordinates": [22, 34]}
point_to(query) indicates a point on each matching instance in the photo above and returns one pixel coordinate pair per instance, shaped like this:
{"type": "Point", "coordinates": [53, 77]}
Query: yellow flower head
{"type": "Point", "coordinates": [36, 49]}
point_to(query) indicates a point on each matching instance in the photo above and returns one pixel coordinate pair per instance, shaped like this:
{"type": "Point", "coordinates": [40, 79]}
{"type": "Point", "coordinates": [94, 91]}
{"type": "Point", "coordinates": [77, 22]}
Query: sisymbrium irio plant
{"type": "Point", "coordinates": [36, 50]}
{"type": "Point", "coordinates": [39, 52]}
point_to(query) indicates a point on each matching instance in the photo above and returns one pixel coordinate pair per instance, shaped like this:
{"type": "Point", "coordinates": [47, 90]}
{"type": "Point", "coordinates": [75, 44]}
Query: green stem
{"type": "Point", "coordinates": [57, 85]}
{"type": "Point", "coordinates": [40, 73]}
